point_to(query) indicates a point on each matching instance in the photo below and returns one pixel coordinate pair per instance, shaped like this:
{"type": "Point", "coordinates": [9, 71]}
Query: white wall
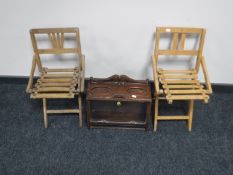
{"type": "Point", "coordinates": [116, 35]}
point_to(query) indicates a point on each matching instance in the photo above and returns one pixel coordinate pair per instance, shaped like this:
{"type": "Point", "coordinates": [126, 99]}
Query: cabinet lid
{"type": "Point", "coordinates": [119, 88]}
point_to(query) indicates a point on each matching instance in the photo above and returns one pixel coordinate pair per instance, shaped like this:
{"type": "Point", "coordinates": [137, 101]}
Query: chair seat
{"type": "Point", "coordinates": [182, 85]}
{"type": "Point", "coordinates": [57, 83]}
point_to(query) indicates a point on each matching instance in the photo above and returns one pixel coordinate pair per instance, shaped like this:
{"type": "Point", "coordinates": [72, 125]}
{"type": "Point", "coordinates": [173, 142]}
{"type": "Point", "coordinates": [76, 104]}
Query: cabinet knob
{"type": "Point", "coordinates": [119, 103]}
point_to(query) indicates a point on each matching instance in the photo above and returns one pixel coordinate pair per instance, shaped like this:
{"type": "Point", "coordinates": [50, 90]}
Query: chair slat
{"type": "Point", "coordinates": [182, 41]}
{"type": "Point", "coordinates": [60, 70]}
{"type": "Point", "coordinates": [54, 89]}
{"type": "Point", "coordinates": [62, 111]}
{"type": "Point", "coordinates": [52, 95]}
{"type": "Point", "coordinates": [190, 91]}
{"type": "Point", "coordinates": [57, 80]}
{"type": "Point", "coordinates": [176, 71]}
{"type": "Point", "coordinates": [187, 97]}
{"type": "Point", "coordinates": [49, 30]}
{"type": "Point", "coordinates": [183, 86]}
{"type": "Point", "coordinates": [55, 84]}
{"type": "Point", "coordinates": [181, 82]}
{"type": "Point", "coordinates": [57, 51]}
{"type": "Point", "coordinates": [178, 52]}
{"type": "Point", "coordinates": [168, 76]}
{"type": "Point", "coordinates": [173, 117]}
{"type": "Point", "coordinates": [175, 41]}
{"type": "Point", "coordinates": [178, 30]}
{"type": "Point", "coordinates": [58, 75]}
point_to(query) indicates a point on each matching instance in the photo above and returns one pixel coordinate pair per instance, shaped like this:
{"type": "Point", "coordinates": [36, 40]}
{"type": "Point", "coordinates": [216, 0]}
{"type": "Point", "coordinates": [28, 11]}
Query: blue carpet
{"type": "Point", "coordinates": [65, 148]}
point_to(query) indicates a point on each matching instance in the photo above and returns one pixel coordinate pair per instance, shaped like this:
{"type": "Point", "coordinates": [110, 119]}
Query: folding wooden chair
{"type": "Point", "coordinates": [57, 83]}
{"type": "Point", "coordinates": [179, 84]}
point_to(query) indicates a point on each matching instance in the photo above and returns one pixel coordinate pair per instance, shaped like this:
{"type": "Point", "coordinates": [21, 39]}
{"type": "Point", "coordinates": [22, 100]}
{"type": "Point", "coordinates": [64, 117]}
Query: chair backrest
{"type": "Point", "coordinates": [178, 37]}
{"type": "Point", "coordinates": [56, 37]}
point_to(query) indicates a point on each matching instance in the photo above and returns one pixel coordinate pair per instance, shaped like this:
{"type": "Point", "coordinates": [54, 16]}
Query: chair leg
{"type": "Point", "coordinates": [156, 113]}
{"type": "Point", "coordinates": [190, 114]}
{"type": "Point", "coordinates": [80, 110]}
{"type": "Point", "coordinates": [45, 113]}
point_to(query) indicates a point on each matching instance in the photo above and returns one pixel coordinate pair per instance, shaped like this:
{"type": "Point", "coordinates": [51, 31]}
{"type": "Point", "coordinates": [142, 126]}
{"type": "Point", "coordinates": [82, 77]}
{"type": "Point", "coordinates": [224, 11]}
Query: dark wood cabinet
{"type": "Point", "coordinates": [118, 101]}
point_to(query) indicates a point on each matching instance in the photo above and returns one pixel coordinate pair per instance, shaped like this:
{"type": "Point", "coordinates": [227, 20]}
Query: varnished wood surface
{"type": "Point", "coordinates": [119, 88]}
{"type": "Point", "coordinates": [174, 84]}
{"type": "Point", "coordinates": [57, 83]}
{"type": "Point", "coordinates": [118, 101]}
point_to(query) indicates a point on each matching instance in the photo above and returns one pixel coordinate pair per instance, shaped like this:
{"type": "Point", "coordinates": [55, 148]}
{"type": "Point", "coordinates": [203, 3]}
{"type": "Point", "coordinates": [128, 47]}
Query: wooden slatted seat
{"type": "Point", "coordinates": [178, 84]}
{"type": "Point", "coordinates": [182, 85]}
{"type": "Point", "coordinates": [57, 83]}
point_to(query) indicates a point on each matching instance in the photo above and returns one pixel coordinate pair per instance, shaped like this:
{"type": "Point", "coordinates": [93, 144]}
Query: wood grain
{"type": "Point", "coordinates": [172, 84]}
{"type": "Point", "coordinates": [56, 83]}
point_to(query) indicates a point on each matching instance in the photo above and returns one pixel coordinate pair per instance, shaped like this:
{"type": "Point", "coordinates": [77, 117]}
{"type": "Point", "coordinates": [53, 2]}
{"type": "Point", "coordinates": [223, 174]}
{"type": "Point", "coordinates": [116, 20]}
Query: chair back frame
{"type": "Point", "coordinates": [56, 37]}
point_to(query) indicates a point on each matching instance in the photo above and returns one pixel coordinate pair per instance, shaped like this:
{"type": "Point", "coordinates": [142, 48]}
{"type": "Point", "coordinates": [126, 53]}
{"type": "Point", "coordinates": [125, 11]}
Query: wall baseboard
{"type": "Point", "coordinates": [217, 87]}
{"type": "Point", "coordinates": [13, 79]}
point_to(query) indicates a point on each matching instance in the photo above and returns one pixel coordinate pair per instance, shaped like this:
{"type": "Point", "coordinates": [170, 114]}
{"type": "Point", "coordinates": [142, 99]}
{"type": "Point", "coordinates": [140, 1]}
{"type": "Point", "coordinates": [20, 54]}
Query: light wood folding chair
{"type": "Point", "coordinates": [57, 83]}
{"type": "Point", "coordinates": [179, 84]}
